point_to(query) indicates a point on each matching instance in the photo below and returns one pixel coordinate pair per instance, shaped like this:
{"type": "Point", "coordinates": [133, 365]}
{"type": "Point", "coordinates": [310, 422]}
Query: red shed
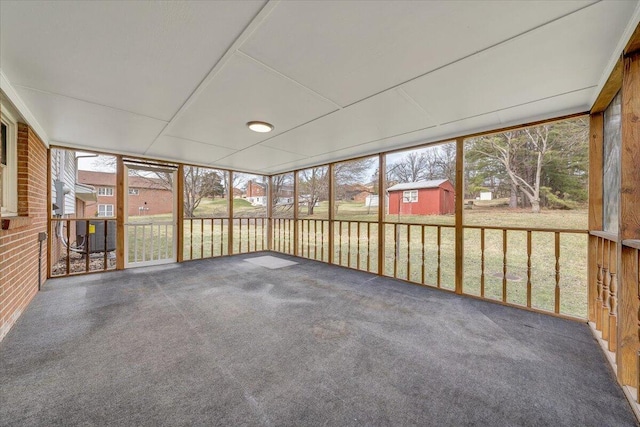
{"type": "Point", "coordinates": [435, 197]}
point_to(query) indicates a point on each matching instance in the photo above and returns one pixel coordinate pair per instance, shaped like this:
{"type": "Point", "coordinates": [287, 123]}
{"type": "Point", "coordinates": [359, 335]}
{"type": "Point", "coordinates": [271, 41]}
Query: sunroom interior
{"type": "Point", "coordinates": [164, 261]}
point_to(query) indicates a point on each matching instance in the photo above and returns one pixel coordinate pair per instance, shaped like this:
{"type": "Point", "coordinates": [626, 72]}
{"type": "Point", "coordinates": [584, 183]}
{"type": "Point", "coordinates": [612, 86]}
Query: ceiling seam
{"type": "Point", "coordinates": [507, 40]}
{"type": "Point", "coordinates": [435, 126]}
{"type": "Point", "coordinates": [121, 110]}
{"type": "Point", "coordinates": [249, 29]}
{"type": "Point", "coordinates": [297, 83]}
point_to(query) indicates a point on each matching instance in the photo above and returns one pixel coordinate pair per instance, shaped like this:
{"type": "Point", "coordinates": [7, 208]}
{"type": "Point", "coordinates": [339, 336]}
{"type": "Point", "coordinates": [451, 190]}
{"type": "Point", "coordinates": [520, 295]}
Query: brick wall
{"type": "Point", "coordinates": [19, 244]}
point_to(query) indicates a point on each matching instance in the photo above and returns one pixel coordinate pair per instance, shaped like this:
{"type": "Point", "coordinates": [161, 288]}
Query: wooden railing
{"type": "Point", "coordinates": [604, 299]}
{"type": "Point", "coordinates": [283, 235]}
{"type": "Point", "coordinates": [205, 238]}
{"type": "Point", "coordinates": [78, 245]}
{"type": "Point", "coordinates": [356, 244]}
{"type": "Point", "coordinates": [313, 239]}
{"type": "Point", "coordinates": [630, 258]}
{"type": "Point", "coordinates": [420, 253]}
{"type": "Point", "coordinates": [249, 235]}
{"type": "Point", "coordinates": [527, 267]}
{"type": "Point", "coordinates": [149, 243]}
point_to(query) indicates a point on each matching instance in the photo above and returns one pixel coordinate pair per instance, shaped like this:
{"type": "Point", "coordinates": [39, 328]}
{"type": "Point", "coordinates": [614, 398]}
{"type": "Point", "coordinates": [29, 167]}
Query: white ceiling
{"type": "Point", "coordinates": [179, 80]}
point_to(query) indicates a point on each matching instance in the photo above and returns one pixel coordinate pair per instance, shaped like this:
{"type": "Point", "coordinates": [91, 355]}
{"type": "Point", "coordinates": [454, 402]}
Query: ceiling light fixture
{"type": "Point", "coordinates": [261, 127]}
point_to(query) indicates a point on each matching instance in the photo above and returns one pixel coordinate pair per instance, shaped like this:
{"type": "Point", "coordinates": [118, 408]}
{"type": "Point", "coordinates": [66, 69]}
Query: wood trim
{"type": "Point", "coordinates": [230, 215]}
{"type": "Point", "coordinates": [629, 223]}
{"type": "Point", "coordinates": [270, 215]}
{"type": "Point", "coordinates": [296, 232]}
{"type": "Point", "coordinates": [609, 90]}
{"type": "Point", "coordinates": [631, 243]}
{"type": "Point", "coordinates": [596, 135]}
{"type": "Point", "coordinates": [633, 45]}
{"type": "Point", "coordinates": [605, 235]}
{"type": "Point", "coordinates": [332, 213]}
{"type": "Point", "coordinates": [459, 200]}
{"type": "Point", "coordinates": [382, 209]}
{"type": "Point", "coordinates": [48, 206]}
{"type": "Point", "coordinates": [180, 213]}
{"type": "Point", "coordinates": [120, 213]}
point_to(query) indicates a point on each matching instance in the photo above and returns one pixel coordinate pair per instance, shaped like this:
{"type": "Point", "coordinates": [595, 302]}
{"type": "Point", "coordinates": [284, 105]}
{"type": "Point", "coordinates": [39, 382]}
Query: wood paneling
{"type": "Point", "coordinates": [629, 221]}
{"type": "Point", "coordinates": [634, 42]}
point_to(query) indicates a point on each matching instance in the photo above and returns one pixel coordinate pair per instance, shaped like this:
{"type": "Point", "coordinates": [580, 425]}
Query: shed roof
{"type": "Point", "coordinates": [417, 185]}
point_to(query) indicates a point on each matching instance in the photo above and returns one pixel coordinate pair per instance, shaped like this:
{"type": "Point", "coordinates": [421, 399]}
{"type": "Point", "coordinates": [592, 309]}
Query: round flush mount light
{"type": "Point", "coordinates": [261, 127]}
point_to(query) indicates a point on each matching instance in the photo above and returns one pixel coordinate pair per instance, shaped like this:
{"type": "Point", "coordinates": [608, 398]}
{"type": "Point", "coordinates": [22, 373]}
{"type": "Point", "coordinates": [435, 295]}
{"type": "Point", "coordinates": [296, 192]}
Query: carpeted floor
{"type": "Point", "coordinates": [229, 342]}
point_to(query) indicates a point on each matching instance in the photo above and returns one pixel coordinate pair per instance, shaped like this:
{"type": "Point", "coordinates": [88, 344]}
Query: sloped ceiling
{"type": "Point", "coordinates": [180, 80]}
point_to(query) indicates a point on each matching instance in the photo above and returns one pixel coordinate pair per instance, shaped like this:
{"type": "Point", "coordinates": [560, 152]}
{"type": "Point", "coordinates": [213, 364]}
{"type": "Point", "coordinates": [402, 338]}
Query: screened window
{"type": "Point", "coordinates": [108, 191]}
{"type": "Point", "coordinates": [9, 164]}
{"type": "Point", "coordinates": [410, 196]}
{"type": "Point", "coordinates": [105, 210]}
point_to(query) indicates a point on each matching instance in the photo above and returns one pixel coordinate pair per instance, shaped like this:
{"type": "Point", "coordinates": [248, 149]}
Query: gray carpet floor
{"type": "Point", "coordinates": [229, 342]}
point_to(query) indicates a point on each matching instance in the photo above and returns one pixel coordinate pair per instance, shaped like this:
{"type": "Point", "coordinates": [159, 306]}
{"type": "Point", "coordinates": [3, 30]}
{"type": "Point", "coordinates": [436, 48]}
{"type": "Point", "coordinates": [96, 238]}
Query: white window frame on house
{"type": "Point", "coordinates": [105, 191]}
{"type": "Point", "coordinates": [9, 196]}
{"type": "Point", "coordinates": [106, 209]}
{"type": "Point", "coordinates": [410, 196]}
{"type": "Point", "coordinates": [134, 191]}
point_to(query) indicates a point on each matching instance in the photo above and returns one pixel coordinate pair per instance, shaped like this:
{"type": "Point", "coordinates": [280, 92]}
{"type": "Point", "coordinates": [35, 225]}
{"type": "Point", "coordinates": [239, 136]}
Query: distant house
{"type": "Point", "coordinates": [435, 197]}
{"type": "Point", "coordinates": [357, 192]}
{"type": "Point", "coordinates": [256, 193]}
{"type": "Point", "coordinates": [147, 196]}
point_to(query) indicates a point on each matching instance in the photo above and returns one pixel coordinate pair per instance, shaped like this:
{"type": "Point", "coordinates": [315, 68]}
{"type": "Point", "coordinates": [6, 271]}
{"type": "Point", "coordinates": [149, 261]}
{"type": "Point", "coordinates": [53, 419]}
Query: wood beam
{"type": "Point", "coordinates": [270, 215]}
{"type": "Point", "coordinates": [120, 213]}
{"type": "Point", "coordinates": [633, 45]}
{"type": "Point", "coordinates": [332, 213]}
{"type": "Point", "coordinates": [609, 90]}
{"type": "Point", "coordinates": [295, 213]}
{"type": "Point", "coordinates": [180, 213]}
{"type": "Point", "coordinates": [459, 200]}
{"type": "Point", "coordinates": [230, 215]}
{"type": "Point", "coordinates": [596, 135]}
{"type": "Point", "coordinates": [629, 222]}
{"type": "Point", "coordinates": [382, 209]}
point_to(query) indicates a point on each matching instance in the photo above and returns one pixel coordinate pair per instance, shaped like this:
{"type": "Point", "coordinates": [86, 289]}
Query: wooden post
{"type": "Point", "coordinates": [49, 225]}
{"type": "Point", "coordinates": [382, 209]}
{"type": "Point", "coordinates": [296, 231]}
{"type": "Point", "coordinates": [629, 222]}
{"type": "Point", "coordinates": [595, 207]}
{"type": "Point", "coordinates": [459, 278]}
{"type": "Point", "coordinates": [332, 214]}
{"type": "Point", "coordinates": [180, 213]}
{"type": "Point", "coordinates": [270, 215]}
{"type": "Point", "coordinates": [230, 217]}
{"type": "Point", "coordinates": [120, 213]}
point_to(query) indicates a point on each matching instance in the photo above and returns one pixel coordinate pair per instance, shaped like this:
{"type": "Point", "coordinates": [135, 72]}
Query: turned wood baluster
{"type": "Point", "coordinates": [605, 292]}
{"type": "Point", "coordinates": [613, 306]}
{"type": "Point", "coordinates": [599, 247]}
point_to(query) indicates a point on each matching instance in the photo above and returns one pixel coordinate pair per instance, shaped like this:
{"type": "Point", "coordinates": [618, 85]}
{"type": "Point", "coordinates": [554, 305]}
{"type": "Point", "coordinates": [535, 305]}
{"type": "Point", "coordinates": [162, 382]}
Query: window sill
{"type": "Point", "coordinates": [15, 222]}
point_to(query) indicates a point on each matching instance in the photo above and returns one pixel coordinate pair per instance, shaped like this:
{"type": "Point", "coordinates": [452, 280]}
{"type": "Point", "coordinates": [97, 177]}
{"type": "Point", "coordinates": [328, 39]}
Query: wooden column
{"type": "Point", "coordinates": [332, 213]}
{"type": "Point", "coordinates": [629, 221]}
{"type": "Point", "coordinates": [595, 206]}
{"type": "Point", "coordinates": [180, 212]}
{"type": "Point", "coordinates": [230, 217]}
{"type": "Point", "coordinates": [120, 213]}
{"type": "Point", "coordinates": [382, 209]}
{"type": "Point", "coordinates": [295, 213]}
{"type": "Point", "coordinates": [270, 215]}
{"type": "Point", "coordinates": [459, 211]}
{"type": "Point", "coordinates": [49, 206]}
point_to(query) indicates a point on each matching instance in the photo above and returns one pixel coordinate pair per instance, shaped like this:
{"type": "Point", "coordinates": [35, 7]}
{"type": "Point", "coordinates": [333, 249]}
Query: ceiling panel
{"type": "Point", "coordinates": [565, 56]}
{"type": "Point", "coordinates": [244, 90]}
{"type": "Point", "coordinates": [143, 57]}
{"type": "Point", "coordinates": [84, 124]}
{"type": "Point", "coordinates": [386, 114]}
{"type": "Point", "coordinates": [187, 151]}
{"type": "Point", "coordinates": [349, 50]}
{"type": "Point", "coordinates": [257, 158]}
